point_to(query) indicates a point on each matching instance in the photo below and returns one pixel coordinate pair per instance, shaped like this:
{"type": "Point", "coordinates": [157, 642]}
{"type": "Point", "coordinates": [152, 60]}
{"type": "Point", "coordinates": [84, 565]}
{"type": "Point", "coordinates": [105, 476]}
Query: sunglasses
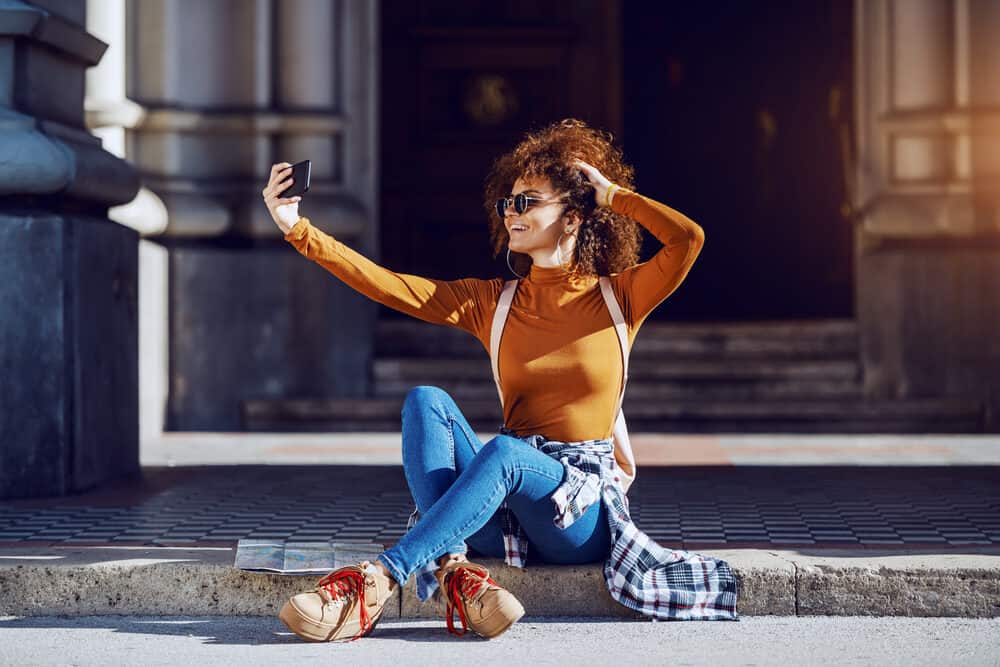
{"type": "Point", "coordinates": [521, 202]}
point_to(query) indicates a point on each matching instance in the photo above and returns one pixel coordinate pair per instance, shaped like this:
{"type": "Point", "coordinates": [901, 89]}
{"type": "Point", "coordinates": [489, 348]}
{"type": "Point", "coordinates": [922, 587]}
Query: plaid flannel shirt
{"type": "Point", "coordinates": [642, 575]}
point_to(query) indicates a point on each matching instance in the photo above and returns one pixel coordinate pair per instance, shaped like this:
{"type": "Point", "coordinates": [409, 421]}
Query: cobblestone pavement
{"type": "Point", "coordinates": [689, 507]}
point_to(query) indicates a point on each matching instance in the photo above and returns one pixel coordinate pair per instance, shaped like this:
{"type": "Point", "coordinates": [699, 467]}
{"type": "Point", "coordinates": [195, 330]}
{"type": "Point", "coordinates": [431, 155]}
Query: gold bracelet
{"type": "Point", "coordinates": [608, 193]}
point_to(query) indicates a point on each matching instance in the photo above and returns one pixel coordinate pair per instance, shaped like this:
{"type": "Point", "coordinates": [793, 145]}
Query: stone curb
{"type": "Point", "coordinates": [78, 581]}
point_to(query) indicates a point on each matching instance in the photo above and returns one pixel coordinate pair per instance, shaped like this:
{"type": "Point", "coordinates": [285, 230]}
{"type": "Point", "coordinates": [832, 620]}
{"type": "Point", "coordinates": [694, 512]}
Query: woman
{"type": "Point", "coordinates": [562, 202]}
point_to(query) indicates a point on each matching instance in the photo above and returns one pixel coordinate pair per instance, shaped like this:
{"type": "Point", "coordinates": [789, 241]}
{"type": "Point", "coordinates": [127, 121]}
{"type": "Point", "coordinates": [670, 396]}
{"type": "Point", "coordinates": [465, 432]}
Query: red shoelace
{"type": "Point", "coordinates": [340, 584]}
{"type": "Point", "coordinates": [464, 582]}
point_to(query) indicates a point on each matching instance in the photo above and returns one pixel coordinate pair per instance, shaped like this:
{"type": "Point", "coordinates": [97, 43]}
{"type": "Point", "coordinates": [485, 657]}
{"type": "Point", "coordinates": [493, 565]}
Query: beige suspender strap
{"type": "Point", "coordinates": [620, 431]}
{"type": "Point", "coordinates": [620, 328]}
{"type": "Point", "coordinates": [499, 319]}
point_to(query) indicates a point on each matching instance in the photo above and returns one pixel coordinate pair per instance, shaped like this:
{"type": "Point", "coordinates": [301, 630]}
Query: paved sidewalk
{"type": "Point", "coordinates": [819, 640]}
{"type": "Point", "coordinates": [846, 533]}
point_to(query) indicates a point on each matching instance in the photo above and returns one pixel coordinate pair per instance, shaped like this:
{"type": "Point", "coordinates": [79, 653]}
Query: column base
{"type": "Point", "coordinates": [69, 354]}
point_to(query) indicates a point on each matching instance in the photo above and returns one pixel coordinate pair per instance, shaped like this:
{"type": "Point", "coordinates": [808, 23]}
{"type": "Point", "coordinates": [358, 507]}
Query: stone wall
{"type": "Point", "coordinates": [928, 198]}
{"type": "Point", "coordinates": [227, 89]}
{"type": "Point", "coordinates": [68, 275]}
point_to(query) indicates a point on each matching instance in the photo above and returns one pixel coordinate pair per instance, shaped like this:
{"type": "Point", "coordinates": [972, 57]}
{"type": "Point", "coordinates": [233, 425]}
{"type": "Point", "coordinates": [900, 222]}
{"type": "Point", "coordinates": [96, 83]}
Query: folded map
{"type": "Point", "coordinates": [302, 557]}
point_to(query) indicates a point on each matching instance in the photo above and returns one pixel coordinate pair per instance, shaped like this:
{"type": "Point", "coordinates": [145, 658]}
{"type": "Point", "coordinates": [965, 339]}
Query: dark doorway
{"type": "Point", "coordinates": [461, 83]}
{"type": "Point", "coordinates": [735, 113]}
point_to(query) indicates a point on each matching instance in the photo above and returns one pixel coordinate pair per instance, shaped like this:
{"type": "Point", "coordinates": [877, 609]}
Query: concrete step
{"type": "Point", "coordinates": [782, 339]}
{"type": "Point", "coordinates": [801, 416]}
{"type": "Point", "coordinates": [747, 389]}
{"type": "Point", "coordinates": [429, 371]}
{"type": "Point", "coordinates": [78, 581]}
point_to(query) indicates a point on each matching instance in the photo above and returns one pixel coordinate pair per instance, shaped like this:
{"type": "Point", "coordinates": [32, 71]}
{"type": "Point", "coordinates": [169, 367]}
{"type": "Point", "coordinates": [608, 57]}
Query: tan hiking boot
{"type": "Point", "coordinates": [481, 603]}
{"type": "Point", "coordinates": [345, 605]}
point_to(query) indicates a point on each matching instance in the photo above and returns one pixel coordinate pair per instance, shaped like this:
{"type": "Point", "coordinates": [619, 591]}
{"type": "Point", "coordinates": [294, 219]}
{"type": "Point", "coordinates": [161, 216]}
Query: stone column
{"type": "Point", "coordinates": [68, 328]}
{"type": "Point", "coordinates": [928, 241]}
{"type": "Point", "coordinates": [108, 113]}
{"type": "Point", "coordinates": [981, 71]}
{"type": "Point", "coordinates": [227, 89]}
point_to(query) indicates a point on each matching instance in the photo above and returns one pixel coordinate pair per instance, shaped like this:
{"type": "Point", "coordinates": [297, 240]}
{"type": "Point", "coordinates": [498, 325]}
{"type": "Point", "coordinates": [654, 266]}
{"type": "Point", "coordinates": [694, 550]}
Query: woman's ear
{"type": "Point", "coordinates": [575, 222]}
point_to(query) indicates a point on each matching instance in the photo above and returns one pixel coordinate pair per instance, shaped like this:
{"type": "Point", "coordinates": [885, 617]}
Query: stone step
{"type": "Point", "coordinates": [462, 389]}
{"type": "Point", "coordinates": [800, 416]}
{"type": "Point", "coordinates": [431, 370]}
{"type": "Point", "coordinates": [45, 581]}
{"type": "Point", "coordinates": [829, 339]}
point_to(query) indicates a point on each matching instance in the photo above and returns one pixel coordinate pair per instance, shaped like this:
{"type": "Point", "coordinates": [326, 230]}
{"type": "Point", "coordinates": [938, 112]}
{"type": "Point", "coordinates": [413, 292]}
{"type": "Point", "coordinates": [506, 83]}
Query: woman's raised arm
{"type": "Point", "coordinates": [647, 284]}
{"type": "Point", "coordinates": [459, 303]}
{"type": "Point", "coordinates": [642, 287]}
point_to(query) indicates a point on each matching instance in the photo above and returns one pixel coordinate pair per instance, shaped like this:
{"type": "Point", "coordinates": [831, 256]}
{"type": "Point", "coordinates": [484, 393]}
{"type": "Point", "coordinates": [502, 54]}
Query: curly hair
{"type": "Point", "coordinates": [606, 242]}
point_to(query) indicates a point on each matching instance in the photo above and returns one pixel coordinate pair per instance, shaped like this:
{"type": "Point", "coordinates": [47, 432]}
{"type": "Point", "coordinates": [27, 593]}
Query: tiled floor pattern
{"type": "Point", "coordinates": [679, 507]}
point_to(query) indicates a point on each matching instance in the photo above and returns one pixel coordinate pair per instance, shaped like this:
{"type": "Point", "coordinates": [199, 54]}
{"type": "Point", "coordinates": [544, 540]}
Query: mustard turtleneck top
{"type": "Point", "coordinates": [560, 365]}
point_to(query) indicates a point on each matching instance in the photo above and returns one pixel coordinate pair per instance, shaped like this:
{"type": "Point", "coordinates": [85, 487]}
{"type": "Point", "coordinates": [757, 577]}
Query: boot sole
{"type": "Point", "coordinates": [311, 631]}
{"type": "Point", "coordinates": [489, 631]}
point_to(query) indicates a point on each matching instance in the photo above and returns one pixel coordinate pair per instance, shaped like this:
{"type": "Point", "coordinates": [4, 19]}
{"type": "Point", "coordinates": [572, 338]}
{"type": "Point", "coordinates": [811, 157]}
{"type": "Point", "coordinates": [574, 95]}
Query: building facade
{"type": "Point", "coordinates": [400, 106]}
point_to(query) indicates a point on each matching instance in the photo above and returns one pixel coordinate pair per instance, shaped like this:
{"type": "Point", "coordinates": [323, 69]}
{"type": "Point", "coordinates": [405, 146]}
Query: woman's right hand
{"type": "Point", "coordinates": [285, 212]}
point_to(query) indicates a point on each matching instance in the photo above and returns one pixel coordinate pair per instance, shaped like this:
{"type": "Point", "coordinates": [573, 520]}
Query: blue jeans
{"type": "Point", "coordinates": [459, 484]}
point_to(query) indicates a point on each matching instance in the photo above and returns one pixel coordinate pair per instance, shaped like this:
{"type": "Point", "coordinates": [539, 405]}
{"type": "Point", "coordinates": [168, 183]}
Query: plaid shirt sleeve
{"type": "Point", "coordinates": [668, 584]}
{"type": "Point", "coordinates": [640, 573]}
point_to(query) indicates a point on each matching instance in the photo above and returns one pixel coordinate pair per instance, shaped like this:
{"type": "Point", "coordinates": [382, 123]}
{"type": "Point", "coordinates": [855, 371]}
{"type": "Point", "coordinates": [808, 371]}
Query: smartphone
{"type": "Point", "coordinates": [301, 171]}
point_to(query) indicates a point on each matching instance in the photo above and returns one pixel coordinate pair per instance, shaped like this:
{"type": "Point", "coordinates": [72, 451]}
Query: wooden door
{"type": "Point", "coordinates": [461, 82]}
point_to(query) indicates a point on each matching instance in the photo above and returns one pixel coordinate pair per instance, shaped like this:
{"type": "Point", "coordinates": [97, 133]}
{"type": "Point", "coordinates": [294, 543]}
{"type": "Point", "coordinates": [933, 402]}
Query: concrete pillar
{"type": "Point", "coordinates": [982, 64]}
{"type": "Point", "coordinates": [928, 247]}
{"type": "Point", "coordinates": [922, 68]}
{"type": "Point", "coordinates": [228, 88]}
{"type": "Point", "coordinates": [922, 79]}
{"type": "Point", "coordinates": [108, 113]}
{"type": "Point", "coordinates": [68, 274]}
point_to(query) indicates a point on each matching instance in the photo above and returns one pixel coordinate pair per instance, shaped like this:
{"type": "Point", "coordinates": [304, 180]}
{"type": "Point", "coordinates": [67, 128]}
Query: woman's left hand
{"type": "Point", "coordinates": [597, 179]}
